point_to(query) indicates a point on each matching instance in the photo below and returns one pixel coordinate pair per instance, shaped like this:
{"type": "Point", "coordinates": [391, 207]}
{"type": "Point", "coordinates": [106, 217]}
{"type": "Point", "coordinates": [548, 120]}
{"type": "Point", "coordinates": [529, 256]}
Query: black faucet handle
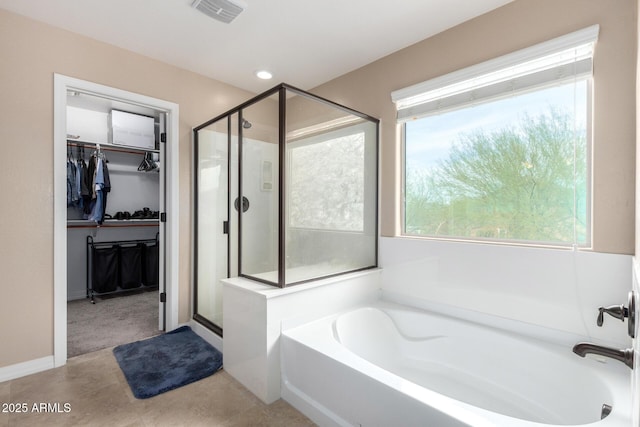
{"type": "Point", "coordinates": [617, 311]}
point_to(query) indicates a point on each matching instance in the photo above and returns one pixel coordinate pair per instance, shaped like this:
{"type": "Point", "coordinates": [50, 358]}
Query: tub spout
{"type": "Point", "coordinates": [624, 356]}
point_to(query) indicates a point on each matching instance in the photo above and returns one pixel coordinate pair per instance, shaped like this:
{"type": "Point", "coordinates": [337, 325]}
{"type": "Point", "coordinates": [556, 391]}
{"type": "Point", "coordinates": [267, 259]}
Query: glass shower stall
{"type": "Point", "coordinates": [286, 192]}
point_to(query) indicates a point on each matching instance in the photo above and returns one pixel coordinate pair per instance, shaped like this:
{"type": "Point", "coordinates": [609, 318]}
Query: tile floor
{"type": "Point", "coordinates": [97, 394]}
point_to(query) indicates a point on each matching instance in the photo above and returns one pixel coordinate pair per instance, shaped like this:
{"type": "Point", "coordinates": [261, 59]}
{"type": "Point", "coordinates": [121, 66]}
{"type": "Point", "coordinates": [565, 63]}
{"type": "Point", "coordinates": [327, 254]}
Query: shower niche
{"type": "Point", "coordinates": [286, 189]}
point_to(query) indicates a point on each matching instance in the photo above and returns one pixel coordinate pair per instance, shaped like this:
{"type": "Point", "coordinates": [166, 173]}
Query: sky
{"type": "Point", "coordinates": [429, 139]}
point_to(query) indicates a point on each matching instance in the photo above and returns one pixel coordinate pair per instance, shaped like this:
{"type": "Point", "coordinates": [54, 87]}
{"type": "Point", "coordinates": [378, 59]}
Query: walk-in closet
{"type": "Point", "coordinates": [115, 185]}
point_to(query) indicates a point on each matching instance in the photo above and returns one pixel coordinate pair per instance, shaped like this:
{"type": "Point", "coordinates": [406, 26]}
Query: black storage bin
{"type": "Point", "coordinates": [105, 269]}
{"type": "Point", "coordinates": [151, 270]}
{"type": "Point", "coordinates": [130, 266]}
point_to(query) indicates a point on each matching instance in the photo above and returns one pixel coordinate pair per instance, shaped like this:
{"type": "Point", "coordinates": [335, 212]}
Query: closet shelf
{"type": "Point", "coordinates": [85, 223]}
{"type": "Point", "coordinates": [109, 147]}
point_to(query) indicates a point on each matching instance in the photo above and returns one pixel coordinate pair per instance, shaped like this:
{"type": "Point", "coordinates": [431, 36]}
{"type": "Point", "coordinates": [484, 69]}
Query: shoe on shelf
{"type": "Point", "coordinates": [122, 215]}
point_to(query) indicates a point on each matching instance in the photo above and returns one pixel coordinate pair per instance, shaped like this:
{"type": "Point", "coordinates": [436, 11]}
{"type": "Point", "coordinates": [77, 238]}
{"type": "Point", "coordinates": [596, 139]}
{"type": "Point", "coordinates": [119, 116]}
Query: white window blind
{"type": "Point", "coordinates": [556, 61]}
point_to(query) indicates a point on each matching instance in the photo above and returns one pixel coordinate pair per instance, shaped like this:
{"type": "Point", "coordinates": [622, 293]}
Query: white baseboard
{"type": "Point", "coordinates": [22, 369]}
{"type": "Point", "coordinates": [26, 368]}
{"type": "Point", "coordinates": [208, 335]}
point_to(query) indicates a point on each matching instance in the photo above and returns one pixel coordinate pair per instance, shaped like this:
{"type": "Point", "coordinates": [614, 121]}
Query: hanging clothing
{"type": "Point", "coordinates": [98, 202]}
{"type": "Point", "coordinates": [88, 185]}
{"type": "Point", "coordinates": [106, 188]}
{"type": "Point", "coordinates": [72, 184]}
{"type": "Point", "coordinates": [94, 186]}
{"type": "Point", "coordinates": [95, 213]}
{"type": "Point", "coordinates": [84, 184]}
{"type": "Point", "coordinates": [80, 170]}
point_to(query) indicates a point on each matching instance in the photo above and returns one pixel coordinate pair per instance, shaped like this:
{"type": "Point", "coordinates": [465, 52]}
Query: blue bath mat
{"type": "Point", "coordinates": [166, 362]}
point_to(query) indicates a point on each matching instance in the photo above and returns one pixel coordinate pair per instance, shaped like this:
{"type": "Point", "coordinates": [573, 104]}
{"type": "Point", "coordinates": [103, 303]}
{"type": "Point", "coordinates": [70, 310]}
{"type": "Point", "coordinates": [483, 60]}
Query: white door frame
{"type": "Point", "coordinates": [171, 238]}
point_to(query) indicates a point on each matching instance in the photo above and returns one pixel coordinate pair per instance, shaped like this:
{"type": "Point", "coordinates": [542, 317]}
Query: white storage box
{"type": "Point", "coordinates": [131, 130]}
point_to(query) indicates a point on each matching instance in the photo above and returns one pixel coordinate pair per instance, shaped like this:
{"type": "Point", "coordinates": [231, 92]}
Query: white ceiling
{"type": "Point", "coordinates": [302, 42]}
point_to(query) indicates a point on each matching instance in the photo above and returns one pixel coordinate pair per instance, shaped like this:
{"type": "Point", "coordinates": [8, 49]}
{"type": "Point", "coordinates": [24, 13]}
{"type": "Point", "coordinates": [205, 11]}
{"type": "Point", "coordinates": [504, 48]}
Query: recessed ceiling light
{"type": "Point", "coordinates": [264, 74]}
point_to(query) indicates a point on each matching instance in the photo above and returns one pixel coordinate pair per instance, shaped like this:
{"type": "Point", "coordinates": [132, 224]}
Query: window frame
{"type": "Point", "coordinates": [578, 38]}
{"type": "Point", "coordinates": [511, 242]}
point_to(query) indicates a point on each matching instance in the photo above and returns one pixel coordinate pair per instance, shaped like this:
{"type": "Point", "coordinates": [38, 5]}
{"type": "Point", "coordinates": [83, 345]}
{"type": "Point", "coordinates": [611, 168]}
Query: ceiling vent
{"type": "Point", "coordinates": [222, 10]}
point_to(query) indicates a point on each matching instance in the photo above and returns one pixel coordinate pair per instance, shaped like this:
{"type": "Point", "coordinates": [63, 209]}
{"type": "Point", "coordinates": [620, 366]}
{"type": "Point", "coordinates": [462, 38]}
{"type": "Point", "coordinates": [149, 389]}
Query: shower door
{"type": "Point", "coordinates": [236, 203]}
{"type": "Point", "coordinates": [215, 149]}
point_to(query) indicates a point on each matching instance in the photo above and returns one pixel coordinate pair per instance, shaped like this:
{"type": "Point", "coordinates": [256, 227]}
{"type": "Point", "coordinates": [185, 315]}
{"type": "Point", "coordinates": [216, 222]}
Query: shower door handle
{"type": "Point", "coordinates": [245, 204]}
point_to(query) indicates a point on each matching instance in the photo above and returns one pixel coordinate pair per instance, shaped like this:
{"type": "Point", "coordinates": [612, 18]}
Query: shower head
{"type": "Point", "coordinates": [246, 123]}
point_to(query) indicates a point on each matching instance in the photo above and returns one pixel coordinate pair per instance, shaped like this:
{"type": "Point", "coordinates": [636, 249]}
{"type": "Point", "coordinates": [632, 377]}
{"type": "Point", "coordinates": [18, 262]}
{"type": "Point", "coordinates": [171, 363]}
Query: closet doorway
{"type": "Point", "coordinates": [116, 248]}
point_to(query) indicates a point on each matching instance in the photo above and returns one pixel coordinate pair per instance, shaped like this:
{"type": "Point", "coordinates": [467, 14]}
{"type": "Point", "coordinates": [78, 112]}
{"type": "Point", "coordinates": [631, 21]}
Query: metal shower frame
{"type": "Point", "coordinates": [281, 90]}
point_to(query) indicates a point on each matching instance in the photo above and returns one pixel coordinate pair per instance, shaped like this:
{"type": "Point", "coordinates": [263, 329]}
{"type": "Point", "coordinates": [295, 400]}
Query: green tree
{"type": "Point", "coordinates": [523, 182]}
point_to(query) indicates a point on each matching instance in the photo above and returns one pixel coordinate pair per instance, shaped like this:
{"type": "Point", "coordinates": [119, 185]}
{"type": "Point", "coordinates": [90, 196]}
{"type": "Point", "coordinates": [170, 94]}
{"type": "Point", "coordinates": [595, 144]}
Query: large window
{"type": "Point", "coordinates": [501, 151]}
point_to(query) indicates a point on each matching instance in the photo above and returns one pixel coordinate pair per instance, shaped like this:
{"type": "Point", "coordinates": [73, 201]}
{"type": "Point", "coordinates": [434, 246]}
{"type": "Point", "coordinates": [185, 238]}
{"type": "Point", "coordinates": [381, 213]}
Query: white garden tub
{"type": "Point", "coordinates": [389, 365]}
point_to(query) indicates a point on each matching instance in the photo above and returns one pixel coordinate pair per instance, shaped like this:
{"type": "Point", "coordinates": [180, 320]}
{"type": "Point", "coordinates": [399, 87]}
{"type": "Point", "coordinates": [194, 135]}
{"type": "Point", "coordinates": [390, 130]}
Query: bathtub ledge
{"type": "Point", "coordinates": [253, 286]}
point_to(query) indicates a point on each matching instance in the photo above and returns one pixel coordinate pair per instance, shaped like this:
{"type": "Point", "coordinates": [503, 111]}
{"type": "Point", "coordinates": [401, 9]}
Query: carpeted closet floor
{"type": "Point", "coordinates": [111, 321]}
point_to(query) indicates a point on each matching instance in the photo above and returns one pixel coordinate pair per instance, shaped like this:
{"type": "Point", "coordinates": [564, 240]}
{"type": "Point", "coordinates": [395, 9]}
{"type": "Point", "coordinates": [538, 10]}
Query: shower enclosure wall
{"type": "Point", "coordinates": [285, 193]}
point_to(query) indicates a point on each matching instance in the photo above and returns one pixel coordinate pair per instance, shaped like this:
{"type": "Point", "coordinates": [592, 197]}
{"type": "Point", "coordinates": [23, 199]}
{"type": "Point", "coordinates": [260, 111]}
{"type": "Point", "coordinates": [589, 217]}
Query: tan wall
{"type": "Point", "coordinates": [30, 53]}
{"type": "Point", "coordinates": [637, 223]}
{"type": "Point", "coordinates": [512, 27]}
